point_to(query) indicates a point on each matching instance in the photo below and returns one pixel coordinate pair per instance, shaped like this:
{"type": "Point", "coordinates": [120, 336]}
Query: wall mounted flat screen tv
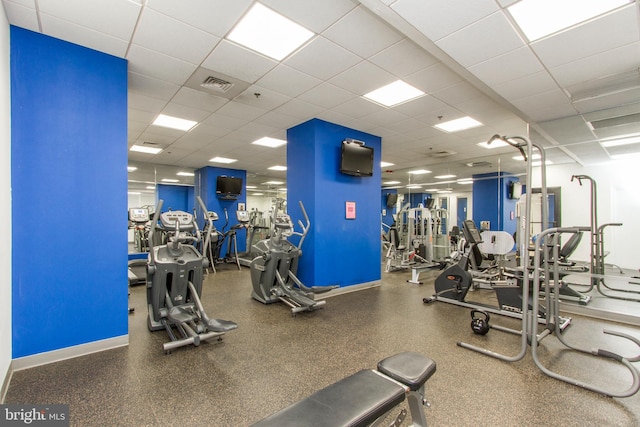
{"type": "Point", "coordinates": [228, 187]}
{"type": "Point", "coordinates": [356, 159]}
{"type": "Point", "coordinates": [515, 190]}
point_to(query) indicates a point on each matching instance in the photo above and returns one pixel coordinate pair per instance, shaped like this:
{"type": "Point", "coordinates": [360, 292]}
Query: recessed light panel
{"type": "Point", "coordinates": [270, 142]}
{"type": "Point", "coordinates": [278, 168]}
{"type": "Point", "coordinates": [174, 122]}
{"type": "Point", "coordinates": [539, 18]}
{"type": "Point", "coordinates": [385, 164]}
{"type": "Point", "coordinates": [444, 176]}
{"type": "Point", "coordinates": [185, 174]}
{"type": "Point", "coordinates": [456, 125]}
{"type": "Point", "coordinates": [143, 149]}
{"type": "Point", "coordinates": [621, 141]}
{"type": "Point", "coordinates": [222, 160]}
{"type": "Point", "coordinates": [269, 33]}
{"type": "Point", "coordinates": [419, 171]}
{"type": "Point", "coordinates": [169, 180]}
{"type": "Point", "coordinates": [131, 168]}
{"type": "Point", "coordinates": [494, 144]}
{"type": "Point", "coordinates": [394, 93]}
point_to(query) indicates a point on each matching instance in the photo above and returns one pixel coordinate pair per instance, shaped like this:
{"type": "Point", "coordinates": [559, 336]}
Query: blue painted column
{"type": "Point", "coordinates": [491, 201]}
{"type": "Point", "coordinates": [205, 186]}
{"type": "Point", "coordinates": [337, 250]}
{"type": "Point", "coordinates": [69, 194]}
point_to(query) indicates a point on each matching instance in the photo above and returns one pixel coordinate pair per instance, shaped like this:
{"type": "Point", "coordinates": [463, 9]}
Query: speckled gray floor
{"type": "Point", "coordinates": [273, 359]}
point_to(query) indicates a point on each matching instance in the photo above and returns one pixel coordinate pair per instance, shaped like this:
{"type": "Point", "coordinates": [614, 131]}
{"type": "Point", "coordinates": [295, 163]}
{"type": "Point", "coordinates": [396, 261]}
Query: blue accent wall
{"type": "Point", "coordinates": [491, 201]}
{"type": "Point", "coordinates": [205, 186]}
{"type": "Point", "coordinates": [69, 179]}
{"type": "Point", "coordinates": [176, 197]}
{"type": "Point", "coordinates": [337, 250]}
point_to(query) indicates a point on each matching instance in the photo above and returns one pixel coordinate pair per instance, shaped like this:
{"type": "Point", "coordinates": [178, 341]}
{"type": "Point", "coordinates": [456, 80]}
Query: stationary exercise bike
{"type": "Point", "coordinates": [174, 283]}
{"type": "Point", "coordinates": [273, 271]}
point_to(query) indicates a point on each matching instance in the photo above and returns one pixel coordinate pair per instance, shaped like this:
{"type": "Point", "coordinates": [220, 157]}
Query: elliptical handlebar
{"type": "Point", "coordinates": [154, 223]}
{"type": "Point", "coordinates": [209, 226]}
{"type": "Point", "coordinates": [305, 228]}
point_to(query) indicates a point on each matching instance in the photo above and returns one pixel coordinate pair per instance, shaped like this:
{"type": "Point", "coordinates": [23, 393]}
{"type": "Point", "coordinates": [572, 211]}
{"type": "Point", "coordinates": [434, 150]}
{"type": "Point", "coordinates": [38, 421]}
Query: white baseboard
{"type": "Point", "coordinates": [32, 361]}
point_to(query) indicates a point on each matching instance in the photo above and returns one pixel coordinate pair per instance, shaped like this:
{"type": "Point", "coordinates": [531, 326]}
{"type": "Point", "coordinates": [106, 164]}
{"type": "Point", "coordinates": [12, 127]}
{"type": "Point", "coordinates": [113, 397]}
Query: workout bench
{"type": "Point", "coordinates": [364, 398]}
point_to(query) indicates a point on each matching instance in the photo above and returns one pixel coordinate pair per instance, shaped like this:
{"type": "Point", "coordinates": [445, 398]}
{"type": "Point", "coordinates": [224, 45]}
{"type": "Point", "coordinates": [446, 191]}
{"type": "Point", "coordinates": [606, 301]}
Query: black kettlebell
{"type": "Point", "coordinates": [480, 325]}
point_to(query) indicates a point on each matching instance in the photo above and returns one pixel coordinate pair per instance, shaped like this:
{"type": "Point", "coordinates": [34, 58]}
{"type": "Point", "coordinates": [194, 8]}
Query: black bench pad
{"type": "Point", "coordinates": [409, 368]}
{"type": "Point", "coordinates": [357, 400]}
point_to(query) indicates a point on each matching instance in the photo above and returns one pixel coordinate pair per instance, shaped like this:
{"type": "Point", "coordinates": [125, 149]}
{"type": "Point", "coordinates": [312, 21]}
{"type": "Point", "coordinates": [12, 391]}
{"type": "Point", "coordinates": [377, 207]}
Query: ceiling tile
{"type": "Point", "coordinates": [327, 95]}
{"type": "Point", "coordinates": [589, 153]}
{"type": "Point", "coordinates": [145, 103]}
{"type": "Point", "coordinates": [222, 121]}
{"type": "Point", "coordinates": [482, 40]}
{"type": "Point", "coordinates": [363, 78]}
{"type": "Point", "coordinates": [457, 93]}
{"type": "Point", "coordinates": [420, 106]}
{"type": "Point", "coordinates": [607, 101]}
{"type": "Point", "coordinates": [238, 62]}
{"type": "Point", "coordinates": [185, 112]}
{"type": "Point", "coordinates": [315, 16]}
{"type": "Point", "coordinates": [143, 117]}
{"type": "Point", "coordinates": [102, 42]}
{"type": "Point", "coordinates": [198, 13]}
{"type": "Point", "coordinates": [437, 19]}
{"type": "Point", "coordinates": [358, 108]}
{"type": "Point", "coordinates": [526, 86]}
{"type": "Point", "coordinates": [322, 58]}
{"type": "Point", "coordinates": [403, 58]}
{"type": "Point", "coordinates": [569, 130]}
{"type": "Point", "coordinates": [433, 78]}
{"type": "Point", "coordinates": [300, 109]}
{"type": "Point", "coordinates": [348, 32]}
{"type": "Point", "coordinates": [288, 81]}
{"type": "Point", "coordinates": [265, 100]}
{"type": "Point", "coordinates": [611, 62]}
{"type": "Point", "coordinates": [149, 86]}
{"type": "Point", "coordinates": [166, 35]}
{"type": "Point", "coordinates": [512, 65]}
{"type": "Point", "coordinates": [278, 120]}
{"type": "Point", "coordinates": [22, 15]}
{"type": "Point", "coordinates": [197, 99]}
{"type": "Point", "coordinates": [157, 65]}
{"type": "Point", "coordinates": [609, 32]}
{"type": "Point", "coordinates": [116, 18]}
{"type": "Point", "coordinates": [241, 111]}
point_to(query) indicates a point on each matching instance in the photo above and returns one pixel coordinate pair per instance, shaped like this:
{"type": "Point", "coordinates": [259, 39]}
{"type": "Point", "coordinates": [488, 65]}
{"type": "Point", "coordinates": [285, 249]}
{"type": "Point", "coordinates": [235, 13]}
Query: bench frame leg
{"type": "Point", "coordinates": [416, 407]}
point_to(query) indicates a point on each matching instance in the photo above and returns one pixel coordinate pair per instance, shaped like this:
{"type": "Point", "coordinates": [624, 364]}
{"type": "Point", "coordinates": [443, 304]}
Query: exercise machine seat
{"type": "Point", "coordinates": [357, 400]}
{"type": "Point", "coordinates": [411, 369]}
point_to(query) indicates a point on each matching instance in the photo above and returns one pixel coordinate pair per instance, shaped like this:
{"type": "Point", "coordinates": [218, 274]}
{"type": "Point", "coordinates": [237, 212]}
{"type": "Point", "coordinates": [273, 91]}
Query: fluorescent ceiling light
{"type": "Point", "coordinates": [222, 160]}
{"type": "Point", "coordinates": [174, 122]}
{"type": "Point", "coordinates": [170, 180]}
{"type": "Point", "coordinates": [269, 33]}
{"type": "Point", "coordinates": [620, 141]}
{"type": "Point", "coordinates": [419, 172]}
{"type": "Point", "coordinates": [143, 149]}
{"type": "Point", "coordinates": [625, 156]}
{"type": "Point", "coordinates": [494, 144]}
{"type": "Point", "coordinates": [257, 194]}
{"type": "Point", "coordinates": [185, 174]}
{"type": "Point", "coordinates": [131, 168]}
{"type": "Point", "coordinates": [278, 168]}
{"type": "Point", "coordinates": [464, 182]}
{"type": "Point", "coordinates": [444, 176]}
{"type": "Point", "coordinates": [273, 183]}
{"type": "Point", "coordinates": [456, 125]}
{"type": "Point", "coordinates": [386, 164]}
{"type": "Point", "coordinates": [415, 186]}
{"type": "Point", "coordinates": [249, 187]}
{"type": "Point", "coordinates": [391, 182]}
{"type": "Point", "coordinates": [534, 156]}
{"type": "Point", "coordinates": [269, 142]}
{"type": "Point", "coordinates": [431, 190]}
{"type": "Point", "coordinates": [394, 93]}
{"type": "Point", "coordinates": [133, 193]}
{"type": "Point", "coordinates": [539, 18]}
{"type": "Point", "coordinates": [150, 187]}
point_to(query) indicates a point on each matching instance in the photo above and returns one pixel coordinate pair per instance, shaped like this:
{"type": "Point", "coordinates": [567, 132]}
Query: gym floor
{"type": "Point", "coordinates": [274, 359]}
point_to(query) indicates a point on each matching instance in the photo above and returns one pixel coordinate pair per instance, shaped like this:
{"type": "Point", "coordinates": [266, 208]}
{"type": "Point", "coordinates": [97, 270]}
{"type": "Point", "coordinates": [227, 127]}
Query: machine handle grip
{"type": "Point", "coordinates": [154, 223]}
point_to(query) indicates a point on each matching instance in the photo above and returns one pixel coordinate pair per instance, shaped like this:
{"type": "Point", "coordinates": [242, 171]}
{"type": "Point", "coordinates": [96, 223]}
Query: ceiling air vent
{"type": "Point", "coordinates": [442, 153]}
{"type": "Point", "coordinates": [478, 164]}
{"type": "Point", "coordinates": [214, 83]}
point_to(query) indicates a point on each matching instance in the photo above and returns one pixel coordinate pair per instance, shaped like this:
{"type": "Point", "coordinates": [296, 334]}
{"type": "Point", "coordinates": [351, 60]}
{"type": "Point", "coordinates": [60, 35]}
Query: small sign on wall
{"type": "Point", "coordinates": [350, 210]}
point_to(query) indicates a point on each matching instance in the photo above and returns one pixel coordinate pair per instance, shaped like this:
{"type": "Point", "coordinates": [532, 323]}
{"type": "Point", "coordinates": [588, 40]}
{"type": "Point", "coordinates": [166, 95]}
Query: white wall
{"type": "Point", "coordinates": [618, 191]}
{"type": "Point", "coordinates": [5, 199]}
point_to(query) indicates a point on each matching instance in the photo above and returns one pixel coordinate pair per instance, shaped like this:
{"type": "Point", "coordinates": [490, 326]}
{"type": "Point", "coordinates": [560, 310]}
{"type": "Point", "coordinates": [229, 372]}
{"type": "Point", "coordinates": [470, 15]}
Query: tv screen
{"type": "Point", "coordinates": [429, 203]}
{"type": "Point", "coordinates": [227, 186]}
{"type": "Point", "coordinates": [392, 199]}
{"type": "Point", "coordinates": [356, 159]}
{"type": "Point", "coordinates": [515, 190]}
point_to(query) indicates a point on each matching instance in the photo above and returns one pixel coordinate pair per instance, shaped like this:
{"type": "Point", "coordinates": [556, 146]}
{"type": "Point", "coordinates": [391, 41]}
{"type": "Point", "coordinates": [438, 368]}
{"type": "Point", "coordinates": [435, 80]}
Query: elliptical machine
{"type": "Point", "coordinates": [273, 271]}
{"type": "Point", "coordinates": [174, 282]}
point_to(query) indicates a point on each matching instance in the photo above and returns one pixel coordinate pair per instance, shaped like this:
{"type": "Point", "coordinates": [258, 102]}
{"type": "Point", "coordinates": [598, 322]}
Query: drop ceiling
{"type": "Point", "coordinates": [569, 91]}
